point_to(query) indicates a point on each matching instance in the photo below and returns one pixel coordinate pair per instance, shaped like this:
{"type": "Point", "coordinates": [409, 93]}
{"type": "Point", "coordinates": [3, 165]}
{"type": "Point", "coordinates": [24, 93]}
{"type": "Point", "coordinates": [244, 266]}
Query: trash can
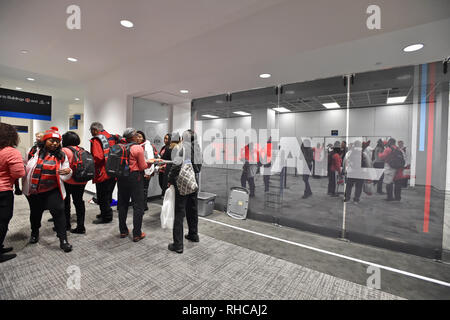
{"type": "Point", "coordinates": [206, 203]}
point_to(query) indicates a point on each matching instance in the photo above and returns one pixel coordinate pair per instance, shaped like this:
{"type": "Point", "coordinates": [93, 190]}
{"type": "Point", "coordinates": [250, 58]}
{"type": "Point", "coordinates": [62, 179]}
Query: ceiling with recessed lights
{"type": "Point", "coordinates": [213, 46]}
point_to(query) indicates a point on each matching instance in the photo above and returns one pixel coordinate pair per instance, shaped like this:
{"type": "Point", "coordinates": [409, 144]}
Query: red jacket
{"type": "Point", "coordinates": [336, 162]}
{"type": "Point", "coordinates": [100, 154]}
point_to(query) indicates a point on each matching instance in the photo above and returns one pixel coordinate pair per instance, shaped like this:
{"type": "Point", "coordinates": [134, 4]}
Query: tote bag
{"type": "Point", "coordinates": [168, 209]}
{"type": "Point", "coordinates": [186, 181]}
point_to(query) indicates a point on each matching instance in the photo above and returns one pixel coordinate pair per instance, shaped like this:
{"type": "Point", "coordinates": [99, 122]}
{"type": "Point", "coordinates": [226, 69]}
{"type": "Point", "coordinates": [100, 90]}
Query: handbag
{"type": "Point", "coordinates": [168, 209]}
{"type": "Point", "coordinates": [186, 181]}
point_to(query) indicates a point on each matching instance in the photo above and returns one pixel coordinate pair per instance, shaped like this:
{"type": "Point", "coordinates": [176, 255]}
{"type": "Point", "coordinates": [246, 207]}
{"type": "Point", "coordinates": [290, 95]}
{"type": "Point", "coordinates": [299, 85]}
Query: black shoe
{"type": "Point", "coordinates": [78, 230]}
{"type": "Point", "coordinates": [172, 248]}
{"type": "Point", "coordinates": [6, 257]}
{"type": "Point", "coordinates": [65, 246]}
{"type": "Point", "coordinates": [146, 209]}
{"type": "Point", "coordinates": [50, 220]}
{"type": "Point", "coordinates": [18, 192]}
{"type": "Point", "coordinates": [356, 200]}
{"type": "Point", "coordinates": [193, 238]}
{"type": "Point", "coordinates": [5, 250]}
{"type": "Point", "coordinates": [99, 216]}
{"type": "Point", "coordinates": [101, 221]}
{"type": "Point", "coordinates": [34, 239]}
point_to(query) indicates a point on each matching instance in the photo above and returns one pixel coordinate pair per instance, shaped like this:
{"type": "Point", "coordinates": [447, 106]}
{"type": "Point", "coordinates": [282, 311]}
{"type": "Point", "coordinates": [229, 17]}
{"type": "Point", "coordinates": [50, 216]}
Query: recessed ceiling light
{"type": "Point", "coordinates": [242, 113]}
{"type": "Point", "coordinates": [18, 88]}
{"type": "Point", "coordinates": [209, 116]}
{"type": "Point", "coordinates": [126, 23]}
{"type": "Point", "coordinates": [184, 91]}
{"type": "Point", "coordinates": [404, 77]}
{"type": "Point", "coordinates": [77, 99]}
{"type": "Point", "coordinates": [290, 92]}
{"type": "Point", "coordinates": [219, 101]}
{"type": "Point", "coordinates": [413, 47]}
{"type": "Point", "coordinates": [396, 100]}
{"type": "Point", "coordinates": [30, 79]}
{"type": "Point", "coordinates": [23, 51]}
{"type": "Point", "coordinates": [281, 109]}
{"type": "Point", "coordinates": [265, 75]}
{"type": "Point", "coordinates": [152, 121]}
{"type": "Point", "coordinates": [72, 59]}
{"type": "Point", "coordinates": [332, 105]}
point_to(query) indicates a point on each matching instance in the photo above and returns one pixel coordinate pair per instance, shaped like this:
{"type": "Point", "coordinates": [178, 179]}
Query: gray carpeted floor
{"type": "Point", "coordinates": [114, 268]}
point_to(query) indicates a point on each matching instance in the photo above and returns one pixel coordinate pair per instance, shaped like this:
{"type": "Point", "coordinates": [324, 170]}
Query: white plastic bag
{"type": "Point", "coordinates": [168, 209]}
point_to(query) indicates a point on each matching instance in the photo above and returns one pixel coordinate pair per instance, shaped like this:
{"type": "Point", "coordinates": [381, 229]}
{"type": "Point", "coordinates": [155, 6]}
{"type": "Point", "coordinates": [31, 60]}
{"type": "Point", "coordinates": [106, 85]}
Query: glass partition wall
{"type": "Point", "coordinates": [315, 155]}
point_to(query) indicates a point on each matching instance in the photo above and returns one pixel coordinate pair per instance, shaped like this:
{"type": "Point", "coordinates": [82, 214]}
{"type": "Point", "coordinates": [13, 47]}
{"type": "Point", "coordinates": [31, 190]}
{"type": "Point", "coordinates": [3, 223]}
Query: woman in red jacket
{"type": "Point", "coordinates": [11, 169]}
{"type": "Point", "coordinates": [44, 186]}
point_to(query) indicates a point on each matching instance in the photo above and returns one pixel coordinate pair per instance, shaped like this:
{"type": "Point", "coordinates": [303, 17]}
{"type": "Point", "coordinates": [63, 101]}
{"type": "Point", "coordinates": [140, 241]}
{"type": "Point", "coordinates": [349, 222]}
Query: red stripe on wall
{"type": "Point", "coordinates": [430, 138]}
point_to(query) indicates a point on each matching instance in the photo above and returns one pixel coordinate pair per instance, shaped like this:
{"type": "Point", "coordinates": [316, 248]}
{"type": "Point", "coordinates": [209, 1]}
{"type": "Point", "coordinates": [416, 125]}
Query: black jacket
{"type": "Point", "coordinates": [174, 169]}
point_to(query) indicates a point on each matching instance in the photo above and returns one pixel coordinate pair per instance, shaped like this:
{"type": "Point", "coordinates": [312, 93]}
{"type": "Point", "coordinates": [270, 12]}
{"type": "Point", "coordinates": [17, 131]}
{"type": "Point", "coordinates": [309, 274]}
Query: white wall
{"type": "Point", "coordinates": [60, 118]}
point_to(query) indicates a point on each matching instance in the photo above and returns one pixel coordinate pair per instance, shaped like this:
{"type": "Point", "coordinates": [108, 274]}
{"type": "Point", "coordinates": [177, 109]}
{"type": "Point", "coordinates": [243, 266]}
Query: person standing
{"type": "Point", "coordinates": [132, 187]}
{"type": "Point", "coordinates": [148, 154]}
{"type": "Point", "coordinates": [101, 142]}
{"type": "Point", "coordinates": [354, 161]}
{"type": "Point", "coordinates": [334, 168]}
{"type": "Point", "coordinates": [11, 169]}
{"type": "Point", "coordinates": [186, 152]}
{"type": "Point", "coordinates": [250, 156]}
{"type": "Point", "coordinates": [392, 155]}
{"type": "Point", "coordinates": [308, 161]}
{"type": "Point", "coordinates": [44, 187]}
{"type": "Point", "coordinates": [164, 153]}
{"type": "Point", "coordinates": [378, 164]}
{"type": "Point", "coordinates": [70, 143]}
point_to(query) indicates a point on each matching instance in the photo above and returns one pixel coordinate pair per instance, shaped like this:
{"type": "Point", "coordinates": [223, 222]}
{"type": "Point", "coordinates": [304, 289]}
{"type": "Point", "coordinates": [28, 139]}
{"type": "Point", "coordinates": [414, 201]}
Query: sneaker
{"type": "Point", "coordinates": [5, 250]}
{"type": "Point", "coordinates": [139, 238]}
{"type": "Point", "coordinates": [34, 238]}
{"type": "Point", "coordinates": [50, 220]}
{"type": "Point", "coordinates": [192, 237]}
{"type": "Point", "coordinates": [124, 235]}
{"type": "Point", "coordinates": [78, 230]}
{"type": "Point", "coordinates": [172, 248]}
{"type": "Point", "coordinates": [6, 257]}
{"type": "Point", "coordinates": [66, 246]}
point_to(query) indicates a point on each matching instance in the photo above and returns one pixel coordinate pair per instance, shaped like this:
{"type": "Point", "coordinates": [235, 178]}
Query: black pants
{"type": "Point", "coordinates": [6, 213]}
{"type": "Point", "coordinates": [266, 179]}
{"type": "Point", "coordinates": [394, 190]}
{"type": "Point", "coordinates": [146, 184]}
{"type": "Point", "coordinates": [162, 178]}
{"type": "Point", "coordinates": [131, 187]}
{"type": "Point", "coordinates": [331, 182]}
{"type": "Point", "coordinates": [358, 183]}
{"type": "Point", "coordinates": [308, 191]}
{"type": "Point", "coordinates": [50, 200]}
{"type": "Point", "coordinates": [251, 181]}
{"type": "Point", "coordinates": [104, 198]}
{"type": "Point", "coordinates": [379, 184]}
{"type": "Point", "coordinates": [76, 191]}
{"type": "Point", "coordinates": [185, 206]}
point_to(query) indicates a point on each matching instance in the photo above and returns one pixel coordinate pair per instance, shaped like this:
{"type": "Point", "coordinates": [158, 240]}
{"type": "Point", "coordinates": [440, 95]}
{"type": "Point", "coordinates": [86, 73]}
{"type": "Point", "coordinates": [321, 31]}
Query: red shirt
{"type": "Point", "coordinates": [11, 168]}
{"type": "Point", "coordinates": [71, 158]}
{"type": "Point", "coordinates": [137, 159]}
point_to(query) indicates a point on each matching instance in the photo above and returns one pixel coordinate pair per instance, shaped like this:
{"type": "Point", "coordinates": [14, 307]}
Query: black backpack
{"type": "Point", "coordinates": [395, 159]}
{"type": "Point", "coordinates": [117, 165]}
{"type": "Point", "coordinates": [84, 165]}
